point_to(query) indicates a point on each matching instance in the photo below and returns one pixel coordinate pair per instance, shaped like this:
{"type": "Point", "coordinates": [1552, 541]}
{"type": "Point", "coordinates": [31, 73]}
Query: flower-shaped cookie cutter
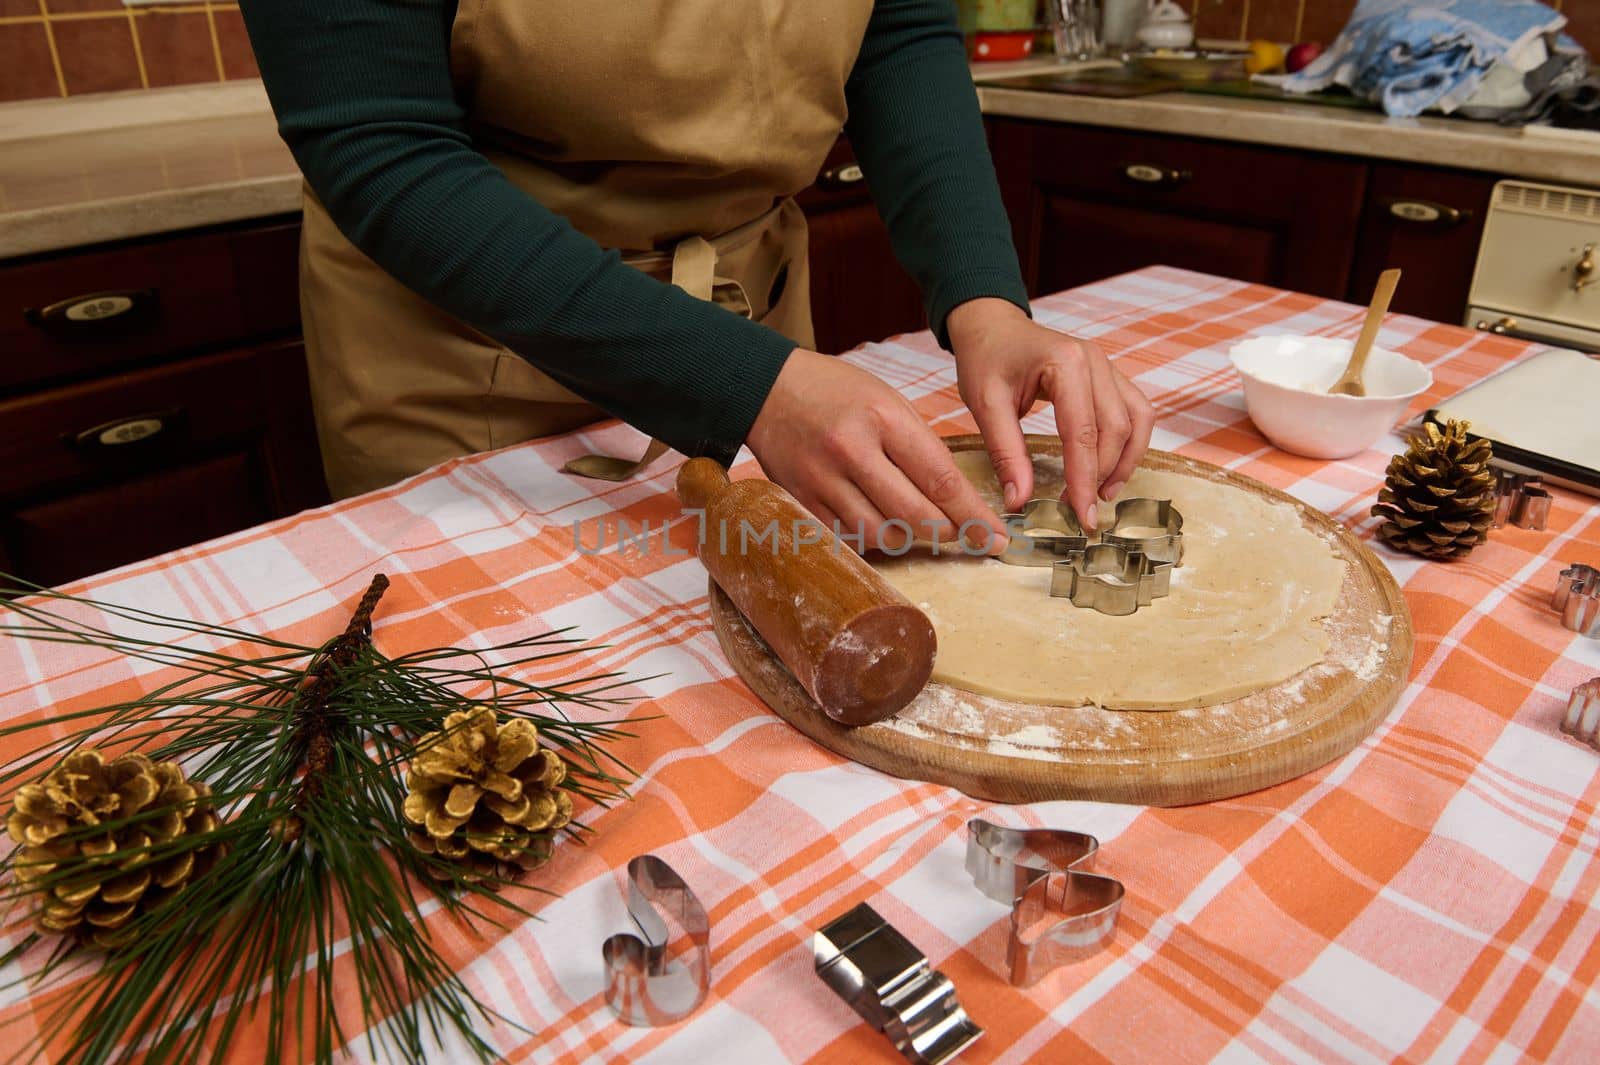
{"type": "Point", "coordinates": [1111, 579]}
{"type": "Point", "coordinates": [643, 987]}
{"type": "Point", "coordinates": [1520, 499]}
{"type": "Point", "coordinates": [1583, 714]}
{"type": "Point", "coordinates": [1143, 513]}
{"type": "Point", "coordinates": [1042, 534]}
{"type": "Point", "coordinates": [1044, 874]}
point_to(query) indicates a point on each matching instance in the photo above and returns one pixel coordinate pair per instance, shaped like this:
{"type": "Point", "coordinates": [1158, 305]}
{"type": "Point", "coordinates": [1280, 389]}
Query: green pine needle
{"type": "Point", "coordinates": [318, 856]}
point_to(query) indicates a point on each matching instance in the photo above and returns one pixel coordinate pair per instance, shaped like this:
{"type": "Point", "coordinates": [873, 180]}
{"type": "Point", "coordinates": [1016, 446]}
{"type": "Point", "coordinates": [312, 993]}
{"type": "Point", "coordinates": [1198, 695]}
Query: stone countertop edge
{"type": "Point", "coordinates": [31, 124]}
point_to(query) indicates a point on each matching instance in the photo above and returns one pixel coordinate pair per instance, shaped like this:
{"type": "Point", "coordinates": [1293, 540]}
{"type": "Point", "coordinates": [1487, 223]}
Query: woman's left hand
{"type": "Point", "coordinates": [1005, 362]}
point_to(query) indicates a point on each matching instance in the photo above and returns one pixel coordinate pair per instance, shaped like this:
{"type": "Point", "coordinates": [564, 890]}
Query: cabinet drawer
{"type": "Point", "coordinates": [1088, 203]}
{"type": "Point", "coordinates": [75, 315]}
{"type": "Point", "coordinates": [1429, 224]}
{"type": "Point", "coordinates": [1175, 174]}
{"type": "Point", "coordinates": [62, 539]}
{"type": "Point", "coordinates": [131, 424]}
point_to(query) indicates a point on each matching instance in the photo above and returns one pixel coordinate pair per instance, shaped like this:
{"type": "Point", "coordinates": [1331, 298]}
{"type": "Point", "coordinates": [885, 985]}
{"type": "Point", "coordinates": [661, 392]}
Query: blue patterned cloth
{"type": "Point", "coordinates": [1411, 56]}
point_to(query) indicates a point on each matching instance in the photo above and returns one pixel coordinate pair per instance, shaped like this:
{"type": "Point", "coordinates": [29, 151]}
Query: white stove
{"type": "Point", "coordinates": [1538, 272]}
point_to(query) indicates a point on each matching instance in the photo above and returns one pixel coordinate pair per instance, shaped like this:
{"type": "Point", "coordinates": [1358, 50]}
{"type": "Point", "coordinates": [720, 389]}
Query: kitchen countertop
{"type": "Point", "coordinates": [89, 169]}
{"type": "Point", "coordinates": [1538, 154]}
{"type": "Point", "coordinates": [83, 170]}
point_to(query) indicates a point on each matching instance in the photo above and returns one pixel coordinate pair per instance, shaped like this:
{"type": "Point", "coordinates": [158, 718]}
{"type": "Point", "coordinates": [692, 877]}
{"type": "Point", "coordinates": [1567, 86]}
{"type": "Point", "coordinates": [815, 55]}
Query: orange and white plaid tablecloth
{"type": "Point", "coordinates": [1431, 897]}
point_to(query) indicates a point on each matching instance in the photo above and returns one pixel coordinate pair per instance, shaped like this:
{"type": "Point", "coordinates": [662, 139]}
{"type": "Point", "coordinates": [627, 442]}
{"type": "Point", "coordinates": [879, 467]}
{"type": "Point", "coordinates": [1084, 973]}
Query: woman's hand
{"type": "Point", "coordinates": [852, 450]}
{"type": "Point", "coordinates": [1005, 361]}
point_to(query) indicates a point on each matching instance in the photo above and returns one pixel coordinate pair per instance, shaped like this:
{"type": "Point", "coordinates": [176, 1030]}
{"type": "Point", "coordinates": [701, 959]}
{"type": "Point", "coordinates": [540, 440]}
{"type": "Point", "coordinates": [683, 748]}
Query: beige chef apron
{"type": "Point", "coordinates": [675, 131]}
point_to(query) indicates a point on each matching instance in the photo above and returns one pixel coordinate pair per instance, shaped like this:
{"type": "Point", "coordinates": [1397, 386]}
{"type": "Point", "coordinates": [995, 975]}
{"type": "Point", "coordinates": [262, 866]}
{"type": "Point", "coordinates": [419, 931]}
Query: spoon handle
{"type": "Point", "coordinates": [1381, 296]}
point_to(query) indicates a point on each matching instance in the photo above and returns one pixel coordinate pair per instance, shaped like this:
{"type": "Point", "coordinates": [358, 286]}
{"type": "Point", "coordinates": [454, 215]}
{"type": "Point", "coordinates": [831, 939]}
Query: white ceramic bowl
{"type": "Point", "coordinates": [1286, 382]}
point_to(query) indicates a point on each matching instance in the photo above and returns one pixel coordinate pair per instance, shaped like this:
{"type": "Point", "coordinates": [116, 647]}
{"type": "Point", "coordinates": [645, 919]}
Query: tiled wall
{"type": "Point", "coordinates": [1321, 20]}
{"type": "Point", "coordinates": [64, 47]}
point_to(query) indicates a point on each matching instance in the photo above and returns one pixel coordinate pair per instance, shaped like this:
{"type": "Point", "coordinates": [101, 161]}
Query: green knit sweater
{"type": "Point", "coordinates": [364, 100]}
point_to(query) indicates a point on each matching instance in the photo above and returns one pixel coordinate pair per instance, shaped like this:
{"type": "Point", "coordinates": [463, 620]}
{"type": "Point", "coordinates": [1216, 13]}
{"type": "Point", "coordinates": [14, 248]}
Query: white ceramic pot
{"type": "Point", "coordinates": [1166, 26]}
{"type": "Point", "coordinates": [1286, 382]}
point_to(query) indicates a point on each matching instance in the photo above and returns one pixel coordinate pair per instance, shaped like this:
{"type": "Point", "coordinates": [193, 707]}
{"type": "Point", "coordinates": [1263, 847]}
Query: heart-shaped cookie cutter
{"type": "Point", "coordinates": [1042, 534]}
{"type": "Point", "coordinates": [1044, 874]}
{"type": "Point", "coordinates": [1141, 512]}
{"type": "Point", "coordinates": [643, 987]}
{"type": "Point", "coordinates": [1583, 714]}
{"type": "Point", "coordinates": [1111, 579]}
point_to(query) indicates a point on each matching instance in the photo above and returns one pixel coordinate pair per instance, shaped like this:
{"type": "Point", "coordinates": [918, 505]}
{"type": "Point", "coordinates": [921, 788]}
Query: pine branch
{"type": "Point", "coordinates": [302, 748]}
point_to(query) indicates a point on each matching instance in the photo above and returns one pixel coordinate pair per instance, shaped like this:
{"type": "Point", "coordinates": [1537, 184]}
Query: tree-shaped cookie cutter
{"type": "Point", "coordinates": [1044, 873]}
{"type": "Point", "coordinates": [1111, 579]}
{"type": "Point", "coordinates": [643, 987]}
{"type": "Point", "coordinates": [888, 982]}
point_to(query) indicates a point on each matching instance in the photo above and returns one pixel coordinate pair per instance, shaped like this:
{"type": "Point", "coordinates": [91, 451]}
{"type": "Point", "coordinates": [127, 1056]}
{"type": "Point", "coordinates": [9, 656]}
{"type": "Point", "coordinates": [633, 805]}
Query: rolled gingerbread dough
{"type": "Point", "coordinates": [1243, 613]}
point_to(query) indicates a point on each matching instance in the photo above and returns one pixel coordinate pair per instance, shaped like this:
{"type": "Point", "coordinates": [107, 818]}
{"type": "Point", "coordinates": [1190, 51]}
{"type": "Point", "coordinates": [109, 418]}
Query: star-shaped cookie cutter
{"type": "Point", "coordinates": [1111, 579]}
{"type": "Point", "coordinates": [1583, 714]}
{"type": "Point", "coordinates": [643, 987]}
{"type": "Point", "coordinates": [1044, 874]}
{"type": "Point", "coordinates": [1061, 536]}
{"type": "Point", "coordinates": [1141, 512]}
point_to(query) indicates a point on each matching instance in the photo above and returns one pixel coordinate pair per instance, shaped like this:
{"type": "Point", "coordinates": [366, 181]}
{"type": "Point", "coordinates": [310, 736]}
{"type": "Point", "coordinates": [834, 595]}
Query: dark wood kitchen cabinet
{"type": "Point", "coordinates": [859, 293]}
{"type": "Point", "coordinates": [1429, 223]}
{"type": "Point", "coordinates": [152, 394]}
{"type": "Point", "coordinates": [1088, 203]}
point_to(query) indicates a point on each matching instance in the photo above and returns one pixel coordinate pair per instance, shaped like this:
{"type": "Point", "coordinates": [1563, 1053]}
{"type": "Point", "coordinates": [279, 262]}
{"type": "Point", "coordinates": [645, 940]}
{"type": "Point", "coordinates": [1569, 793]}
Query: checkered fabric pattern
{"type": "Point", "coordinates": [1428, 898]}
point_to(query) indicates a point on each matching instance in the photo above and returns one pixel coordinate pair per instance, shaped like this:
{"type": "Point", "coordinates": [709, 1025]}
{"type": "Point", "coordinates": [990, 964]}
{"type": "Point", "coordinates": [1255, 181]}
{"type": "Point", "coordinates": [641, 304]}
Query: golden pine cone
{"type": "Point", "coordinates": [486, 796]}
{"type": "Point", "coordinates": [1438, 497]}
{"type": "Point", "coordinates": [94, 883]}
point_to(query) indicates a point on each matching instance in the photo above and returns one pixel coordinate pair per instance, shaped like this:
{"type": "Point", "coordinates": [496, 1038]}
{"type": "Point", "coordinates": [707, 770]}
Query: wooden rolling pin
{"type": "Point", "coordinates": [856, 645]}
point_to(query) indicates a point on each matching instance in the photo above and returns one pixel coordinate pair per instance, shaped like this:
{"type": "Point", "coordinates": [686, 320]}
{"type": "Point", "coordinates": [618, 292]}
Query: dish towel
{"type": "Point", "coordinates": [1410, 56]}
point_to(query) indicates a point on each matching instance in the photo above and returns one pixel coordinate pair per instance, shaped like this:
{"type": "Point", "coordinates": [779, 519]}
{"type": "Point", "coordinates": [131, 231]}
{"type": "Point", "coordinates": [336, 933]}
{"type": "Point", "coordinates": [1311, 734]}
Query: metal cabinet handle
{"type": "Point", "coordinates": [94, 312]}
{"type": "Point", "coordinates": [1425, 213]}
{"type": "Point", "coordinates": [1502, 326]}
{"type": "Point", "coordinates": [839, 177]}
{"type": "Point", "coordinates": [126, 435]}
{"type": "Point", "coordinates": [1150, 174]}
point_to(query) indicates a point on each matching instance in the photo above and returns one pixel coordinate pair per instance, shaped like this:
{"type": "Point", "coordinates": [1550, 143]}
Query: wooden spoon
{"type": "Point", "coordinates": [1350, 383]}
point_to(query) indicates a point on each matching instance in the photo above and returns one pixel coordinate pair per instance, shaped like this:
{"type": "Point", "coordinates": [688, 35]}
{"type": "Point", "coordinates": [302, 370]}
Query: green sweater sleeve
{"type": "Point", "coordinates": [918, 134]}
{"type": "Point", "coordinates": [364, 100]}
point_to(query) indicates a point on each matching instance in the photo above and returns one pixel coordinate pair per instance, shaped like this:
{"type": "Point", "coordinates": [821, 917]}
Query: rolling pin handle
{"type": "Point", "coordinates": [700, 481]}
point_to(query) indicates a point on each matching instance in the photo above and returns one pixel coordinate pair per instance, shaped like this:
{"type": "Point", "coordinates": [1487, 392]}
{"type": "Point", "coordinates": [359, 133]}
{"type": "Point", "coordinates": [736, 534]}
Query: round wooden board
{"type": "Point", "coordinates": [1159, 758]}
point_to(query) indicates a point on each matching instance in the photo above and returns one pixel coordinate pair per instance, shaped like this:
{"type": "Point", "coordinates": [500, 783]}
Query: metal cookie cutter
{"type": "Point", "coordinates": [1062, 536]}
{"type": "Point", "coordinates": [1577, 599]}
{"type": "Point", "coordinates": [642, 987]}
{"type": "Point", "coordinates": [1044, 874]}
{"type": "Point", "coordinates": [1111, 579]}
{"type": "Point", "coordinates": [890, 984]}
{"type": "Point", "coordinates": [1520, 499]}
{"type": "Point", "coordinates": [1152, 514]}
{"type": "Point", "coordinates": [1583, 714]}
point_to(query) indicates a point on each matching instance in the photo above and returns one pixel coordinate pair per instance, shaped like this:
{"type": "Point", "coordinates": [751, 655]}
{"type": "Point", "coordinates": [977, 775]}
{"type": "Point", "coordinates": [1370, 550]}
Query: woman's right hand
{"type": "Point", "coordinates": [851, 449]}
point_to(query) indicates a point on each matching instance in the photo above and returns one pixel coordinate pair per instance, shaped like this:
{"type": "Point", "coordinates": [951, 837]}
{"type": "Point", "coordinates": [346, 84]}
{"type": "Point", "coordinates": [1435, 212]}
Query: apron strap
{"type": "Point", "coordinates": [694, 269]}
